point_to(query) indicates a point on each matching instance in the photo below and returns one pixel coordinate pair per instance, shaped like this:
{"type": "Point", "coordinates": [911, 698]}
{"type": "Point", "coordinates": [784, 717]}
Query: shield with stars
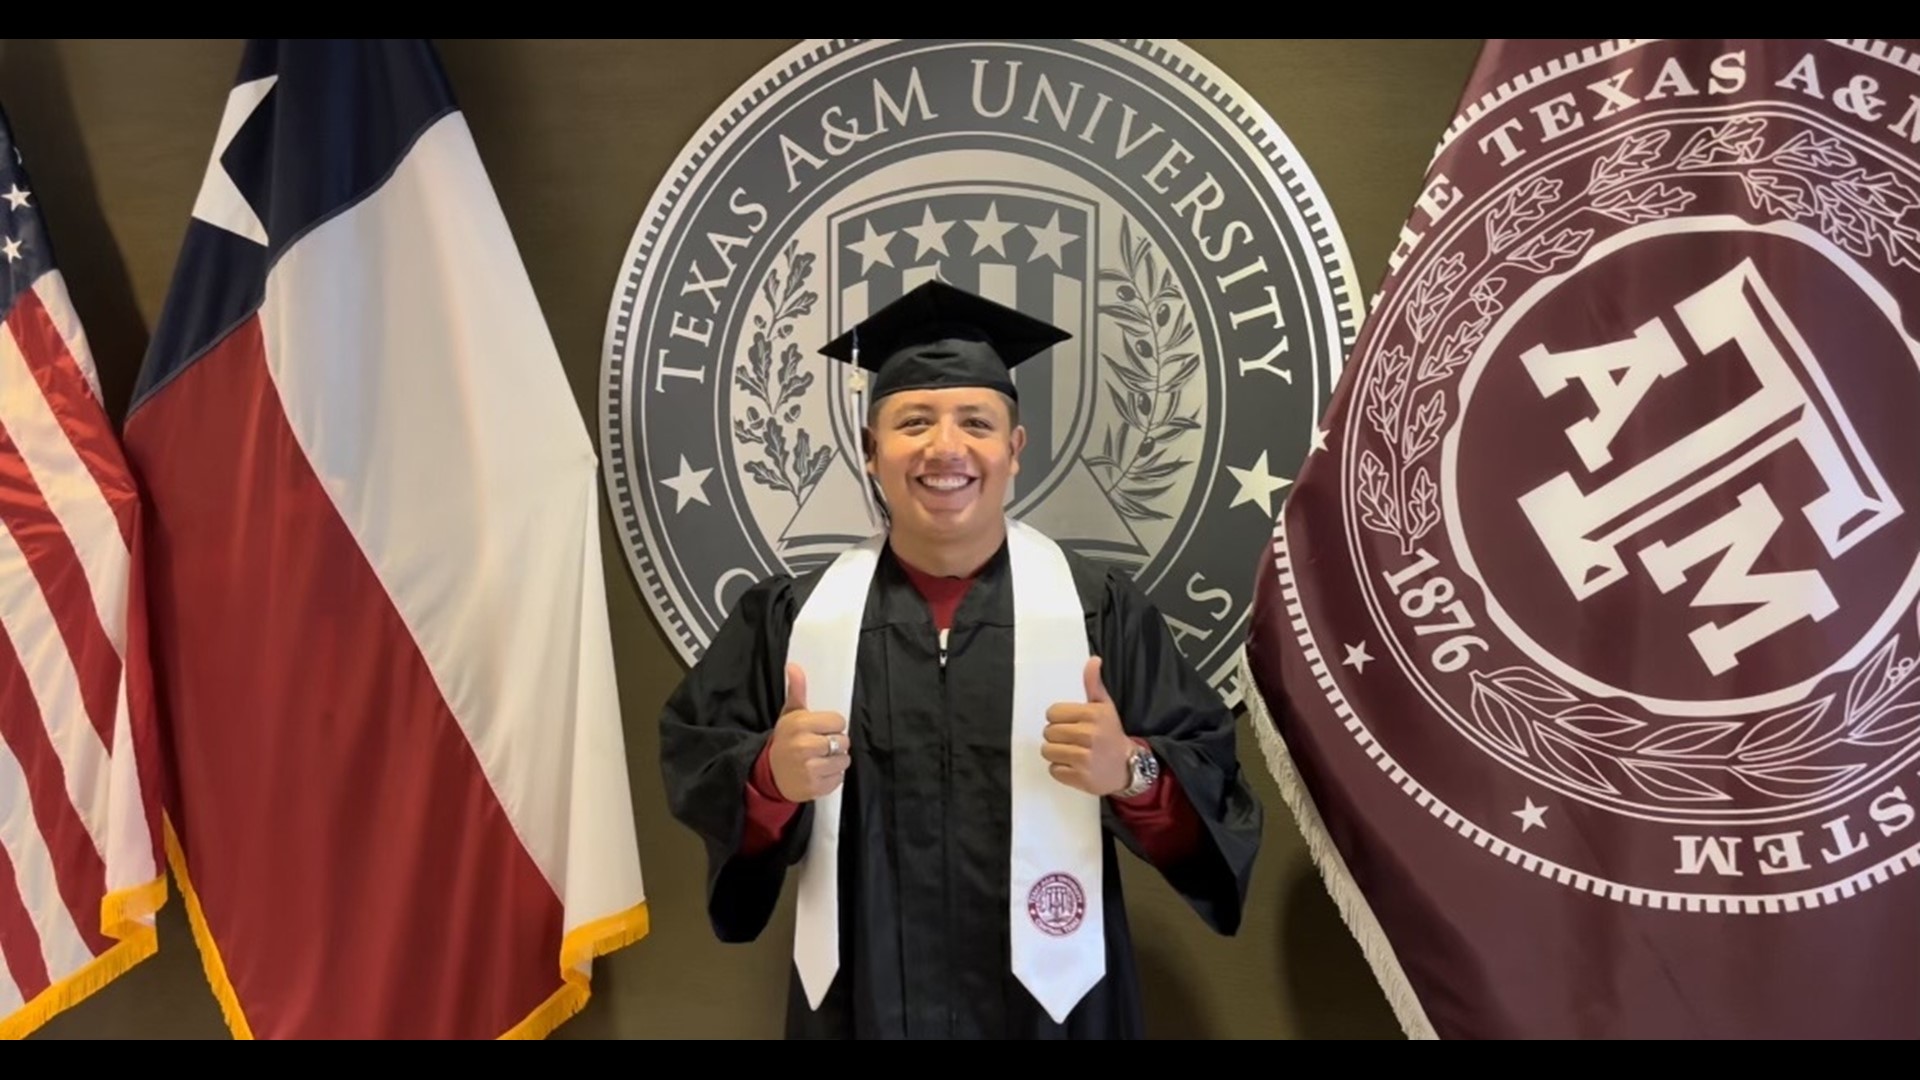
{"type": "Point", "coordinates": [1173, 233]}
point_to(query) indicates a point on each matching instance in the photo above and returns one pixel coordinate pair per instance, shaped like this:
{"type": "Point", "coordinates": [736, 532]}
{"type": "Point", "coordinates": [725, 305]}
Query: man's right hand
{"type": "Point", "coordinates": [808, 750]}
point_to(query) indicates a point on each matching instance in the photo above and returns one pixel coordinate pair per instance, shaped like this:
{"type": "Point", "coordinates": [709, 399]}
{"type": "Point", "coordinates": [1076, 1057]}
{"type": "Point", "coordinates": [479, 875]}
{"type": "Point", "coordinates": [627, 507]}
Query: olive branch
{"type": "Point", "coordinates": [1795, 753]}
{"type": "Point", "coordinates": [1154, 365]}
{"type": "Point", "coordinates": [797, 468]}
{"type": "Point", "coordinates": [1531, 230]}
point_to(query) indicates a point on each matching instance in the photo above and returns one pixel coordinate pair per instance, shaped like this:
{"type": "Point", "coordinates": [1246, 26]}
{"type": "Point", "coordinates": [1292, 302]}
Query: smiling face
{"type": "Point", "coordinates": [943, 459]}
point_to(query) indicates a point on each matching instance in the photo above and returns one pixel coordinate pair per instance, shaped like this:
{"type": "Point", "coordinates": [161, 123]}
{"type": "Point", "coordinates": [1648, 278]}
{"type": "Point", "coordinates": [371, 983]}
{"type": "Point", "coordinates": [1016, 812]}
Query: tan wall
{"type": "Point", "coordinates": [575, 135]}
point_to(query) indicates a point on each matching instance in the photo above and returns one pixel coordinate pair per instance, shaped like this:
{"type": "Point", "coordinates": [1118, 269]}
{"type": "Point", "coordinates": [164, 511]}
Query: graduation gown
{"type": "Point", "coordinates": [926, 806]}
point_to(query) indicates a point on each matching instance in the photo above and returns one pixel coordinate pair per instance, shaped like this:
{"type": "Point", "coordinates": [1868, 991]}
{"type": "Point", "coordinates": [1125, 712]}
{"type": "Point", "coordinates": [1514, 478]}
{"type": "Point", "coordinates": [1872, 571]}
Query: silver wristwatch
{"type": "Point", "coordinates": [1145, 771]}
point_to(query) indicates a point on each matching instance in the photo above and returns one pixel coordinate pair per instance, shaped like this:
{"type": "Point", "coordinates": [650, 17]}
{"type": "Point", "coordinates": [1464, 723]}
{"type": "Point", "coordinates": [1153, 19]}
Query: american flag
{"type": "Point", "coordinates": [79, 867]}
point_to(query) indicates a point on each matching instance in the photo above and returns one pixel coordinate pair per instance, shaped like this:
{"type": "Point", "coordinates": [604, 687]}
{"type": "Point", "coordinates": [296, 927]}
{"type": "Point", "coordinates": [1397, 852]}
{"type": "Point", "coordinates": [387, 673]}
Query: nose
{"type": "Point", "coordinates": [944, 438]}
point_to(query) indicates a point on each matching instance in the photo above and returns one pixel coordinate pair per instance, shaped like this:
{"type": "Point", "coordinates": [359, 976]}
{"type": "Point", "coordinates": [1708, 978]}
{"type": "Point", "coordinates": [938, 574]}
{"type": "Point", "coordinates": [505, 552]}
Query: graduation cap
{"type": "Point", "coordinates": [938, 336]}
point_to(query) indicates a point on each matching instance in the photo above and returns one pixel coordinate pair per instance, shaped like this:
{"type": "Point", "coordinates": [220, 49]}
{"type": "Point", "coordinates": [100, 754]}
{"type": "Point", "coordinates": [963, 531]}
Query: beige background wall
{"type": "Point", "coordinates": [575, 135]}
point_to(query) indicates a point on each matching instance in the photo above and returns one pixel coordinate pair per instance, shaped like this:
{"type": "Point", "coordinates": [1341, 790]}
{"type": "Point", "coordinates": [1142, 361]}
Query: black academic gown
{"type": "Point", "coordinates": [924, 942]}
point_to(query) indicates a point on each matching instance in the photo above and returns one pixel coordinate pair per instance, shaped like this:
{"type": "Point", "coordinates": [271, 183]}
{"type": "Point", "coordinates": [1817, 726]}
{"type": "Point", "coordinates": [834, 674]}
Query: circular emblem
{"type": "Point", "coordinates": [1630, 480]}
{"type": "Point", "coordinates": [1123, 190]}
{"type": "Point", "coordinates": [1056, 904]}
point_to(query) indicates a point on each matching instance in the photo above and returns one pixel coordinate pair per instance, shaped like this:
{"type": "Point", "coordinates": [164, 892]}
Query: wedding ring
{"type": "Point", "coordinates": [833, 745]}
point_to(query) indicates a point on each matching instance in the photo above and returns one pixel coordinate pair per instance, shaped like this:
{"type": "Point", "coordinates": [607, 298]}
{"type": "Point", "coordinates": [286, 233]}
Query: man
{"type": "Point", "coordinates": [948, 727]}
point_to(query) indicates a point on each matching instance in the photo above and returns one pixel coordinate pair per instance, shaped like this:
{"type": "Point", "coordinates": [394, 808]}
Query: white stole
{"type": "Point", "coordinates": [1055, 884]}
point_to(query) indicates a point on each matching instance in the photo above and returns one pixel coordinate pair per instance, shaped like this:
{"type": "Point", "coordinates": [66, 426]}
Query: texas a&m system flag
{"type": "Point", "coordinates": [1589, 651]}
{"type": "Point", "coordinates": [378, 599]}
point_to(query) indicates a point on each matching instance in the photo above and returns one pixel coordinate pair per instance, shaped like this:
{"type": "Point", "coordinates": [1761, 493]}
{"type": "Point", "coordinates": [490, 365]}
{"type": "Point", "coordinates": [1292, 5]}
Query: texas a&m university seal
{"type": "Point", "coordinates": [1593, 614]}
{"type": "Point", "coordinates": [1126, 191]}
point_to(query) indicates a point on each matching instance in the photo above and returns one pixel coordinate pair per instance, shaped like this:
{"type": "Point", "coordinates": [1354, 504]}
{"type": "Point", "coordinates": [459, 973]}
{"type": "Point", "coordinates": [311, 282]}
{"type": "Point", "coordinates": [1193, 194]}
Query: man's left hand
{"type": "Point", "coordinates": [1084, 742]}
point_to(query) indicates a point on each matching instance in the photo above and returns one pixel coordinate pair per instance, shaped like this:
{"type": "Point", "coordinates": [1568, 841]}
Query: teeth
{"type": "Point", "coordinates": [946, 483]}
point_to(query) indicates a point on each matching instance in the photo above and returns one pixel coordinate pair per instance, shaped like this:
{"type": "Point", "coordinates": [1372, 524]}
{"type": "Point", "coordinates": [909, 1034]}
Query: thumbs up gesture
{"type": "Point", "coordinates": [1084, 743]}
{"type": "Point", "coordinates": [808, 750]}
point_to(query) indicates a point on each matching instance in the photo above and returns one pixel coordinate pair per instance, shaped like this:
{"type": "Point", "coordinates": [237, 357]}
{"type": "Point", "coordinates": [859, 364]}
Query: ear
{"type": "Point", "coordinates": [1019, 444]}
{"type": "Point", "coordinates": [867, 444]}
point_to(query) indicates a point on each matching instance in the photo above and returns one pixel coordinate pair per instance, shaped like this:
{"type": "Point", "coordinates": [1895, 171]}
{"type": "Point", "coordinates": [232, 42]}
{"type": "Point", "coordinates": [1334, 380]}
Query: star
{"type": "Point", "coordinates": [990, 230]}
{"type": "Point", "coordinates": [1049, 240]}
{"type": "Point", "coordinates": [12, 248]}
{"type": "Point", "coordinates": [17, 198]}
{"type": "Point", "coordinates": [929, 235]}
{"type": "Point", "coordinates": [690, 485]}
{"type": "Point", "coordinates": [872, 248]}
{"type": "Point", "coordinates": [220, 203]}
{"type": "Point", "coordinates": [1319, 438]}
{"type": "Point", "coordinates": [1357, 657]}
{"type": "Point", "coordinates": [1257, 485]}
{"type": "Point", "coordinates": [1531, 816]}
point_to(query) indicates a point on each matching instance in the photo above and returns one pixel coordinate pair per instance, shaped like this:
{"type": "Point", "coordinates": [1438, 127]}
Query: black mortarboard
{"type": "Point", "coordinates": [939, 336]}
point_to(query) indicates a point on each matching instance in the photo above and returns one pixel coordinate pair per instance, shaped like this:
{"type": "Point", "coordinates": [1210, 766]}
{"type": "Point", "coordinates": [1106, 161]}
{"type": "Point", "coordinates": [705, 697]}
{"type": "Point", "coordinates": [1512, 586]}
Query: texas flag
{"type": "Point", "coordinates": [377, 597]}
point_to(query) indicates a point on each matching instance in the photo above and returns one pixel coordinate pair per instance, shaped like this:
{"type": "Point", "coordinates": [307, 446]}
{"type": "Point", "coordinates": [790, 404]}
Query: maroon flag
{"type": "Point", "coordinates": [1587, 653]}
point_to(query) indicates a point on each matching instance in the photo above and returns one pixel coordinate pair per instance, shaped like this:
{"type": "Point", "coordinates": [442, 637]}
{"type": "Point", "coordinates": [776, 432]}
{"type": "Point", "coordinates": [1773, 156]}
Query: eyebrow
{"type": "Point", "coordinates": [965, 410]}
